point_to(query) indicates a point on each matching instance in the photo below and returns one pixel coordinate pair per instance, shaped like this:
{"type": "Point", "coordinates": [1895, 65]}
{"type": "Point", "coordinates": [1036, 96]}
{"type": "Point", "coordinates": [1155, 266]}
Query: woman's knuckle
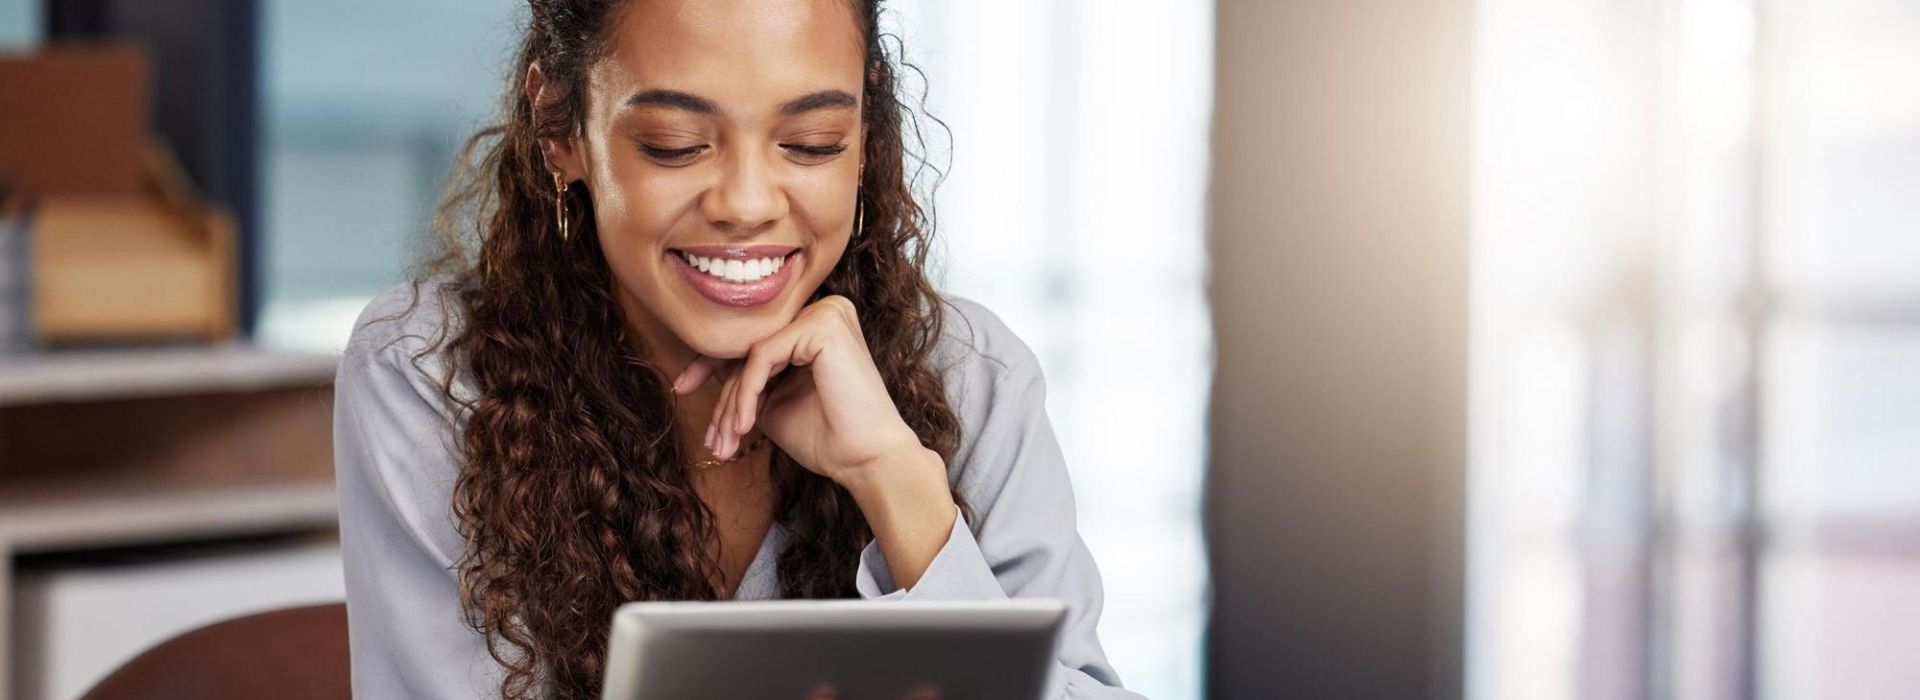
{"type": "Point", "coordinates": [846, 310]}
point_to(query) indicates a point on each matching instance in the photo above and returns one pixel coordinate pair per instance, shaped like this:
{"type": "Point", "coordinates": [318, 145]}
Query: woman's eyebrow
{"type": "Point", "coordinates": [677, 99]}
{"type": "Point", "coordinates": [824, 99]}
{"type": "Point", "coordinates": [672, 98]}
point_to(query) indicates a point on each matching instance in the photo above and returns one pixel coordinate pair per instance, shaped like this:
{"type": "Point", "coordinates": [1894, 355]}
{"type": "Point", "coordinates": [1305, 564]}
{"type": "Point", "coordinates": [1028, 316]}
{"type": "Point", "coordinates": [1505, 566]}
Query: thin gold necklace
{"type": "Point", "coordinates": [710, 462]}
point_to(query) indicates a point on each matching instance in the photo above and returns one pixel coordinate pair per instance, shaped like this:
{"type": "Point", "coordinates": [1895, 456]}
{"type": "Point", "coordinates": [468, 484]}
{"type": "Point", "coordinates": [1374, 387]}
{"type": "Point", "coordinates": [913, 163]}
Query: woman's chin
{"type": "Point", "coordinates": [729, 341]}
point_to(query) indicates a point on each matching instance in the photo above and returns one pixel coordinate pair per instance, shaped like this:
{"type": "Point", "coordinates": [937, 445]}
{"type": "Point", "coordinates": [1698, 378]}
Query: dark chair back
{"type": "Point", "coordinates": [293, 653]}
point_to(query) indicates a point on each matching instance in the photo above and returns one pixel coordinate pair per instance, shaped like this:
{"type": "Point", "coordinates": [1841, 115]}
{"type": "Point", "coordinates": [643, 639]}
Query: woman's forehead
{"type": "Point", "coordinates": [741, 54]}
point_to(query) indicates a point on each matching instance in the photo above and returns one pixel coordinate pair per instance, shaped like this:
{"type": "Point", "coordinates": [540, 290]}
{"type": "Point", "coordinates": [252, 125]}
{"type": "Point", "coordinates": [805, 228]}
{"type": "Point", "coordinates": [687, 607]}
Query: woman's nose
{"type": "Point", "coordinates": [747, 196]}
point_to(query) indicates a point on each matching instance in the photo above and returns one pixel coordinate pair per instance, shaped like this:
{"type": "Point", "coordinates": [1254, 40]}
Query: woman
{"type": "Point", "coordinates": [693, 357]}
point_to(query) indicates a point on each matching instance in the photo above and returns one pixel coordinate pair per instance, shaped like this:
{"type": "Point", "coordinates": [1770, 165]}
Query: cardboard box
{"type": "Point", "coordinates": [158, 264]}
{"type": "Point", "coordinates": [75, 120]}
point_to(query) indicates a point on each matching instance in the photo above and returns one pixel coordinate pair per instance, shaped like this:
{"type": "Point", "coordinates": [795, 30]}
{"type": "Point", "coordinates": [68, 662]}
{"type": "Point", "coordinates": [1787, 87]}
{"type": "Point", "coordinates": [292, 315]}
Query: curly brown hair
{"type": "Point", "coordinates": [573, 497]}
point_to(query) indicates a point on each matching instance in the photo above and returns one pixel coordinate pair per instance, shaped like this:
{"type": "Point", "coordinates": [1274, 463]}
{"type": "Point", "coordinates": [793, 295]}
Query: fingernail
{"type": "Point", "coordinates": [709, 441]}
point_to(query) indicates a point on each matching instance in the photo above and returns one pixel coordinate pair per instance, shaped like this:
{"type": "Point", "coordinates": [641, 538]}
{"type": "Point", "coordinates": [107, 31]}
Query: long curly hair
{"type": "Point", "coordinates": [573, 497]}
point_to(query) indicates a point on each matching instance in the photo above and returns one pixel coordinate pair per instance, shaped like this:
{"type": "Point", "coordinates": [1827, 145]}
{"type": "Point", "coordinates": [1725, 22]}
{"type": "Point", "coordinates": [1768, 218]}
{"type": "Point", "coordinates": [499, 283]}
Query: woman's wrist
{"type": "Point", "coordinates": [908, 465]}
{"type": "Point", "coordinates": [909, 507]}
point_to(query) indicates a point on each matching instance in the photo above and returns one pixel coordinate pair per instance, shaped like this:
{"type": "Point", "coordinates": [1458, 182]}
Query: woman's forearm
{"type": "Point", "coordinates": [910, 509]}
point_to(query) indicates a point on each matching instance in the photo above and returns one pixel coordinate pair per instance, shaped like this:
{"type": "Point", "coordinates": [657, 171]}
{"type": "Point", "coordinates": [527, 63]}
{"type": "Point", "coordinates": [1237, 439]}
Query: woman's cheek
{"type": "Point", "coordinates": [636, 226]}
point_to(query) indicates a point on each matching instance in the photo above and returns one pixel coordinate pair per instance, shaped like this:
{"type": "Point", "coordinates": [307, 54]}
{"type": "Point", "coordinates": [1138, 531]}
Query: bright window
{"type": "Point", "coordinates": [1074, 207]}
{"type": "Point", "coordinates": [1696, 328]}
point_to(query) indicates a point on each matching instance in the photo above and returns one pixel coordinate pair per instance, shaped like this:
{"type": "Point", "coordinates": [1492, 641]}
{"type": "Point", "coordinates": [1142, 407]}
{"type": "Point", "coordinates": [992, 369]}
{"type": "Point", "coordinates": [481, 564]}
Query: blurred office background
{"type": "Point", "coordinates": [1416, 348]}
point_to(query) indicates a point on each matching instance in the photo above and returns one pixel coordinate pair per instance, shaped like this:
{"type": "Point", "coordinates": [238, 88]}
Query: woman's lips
{"type": "Point", "coordinates": [737, 294]}
{"type": "Point", "coordinates": [738, 252]}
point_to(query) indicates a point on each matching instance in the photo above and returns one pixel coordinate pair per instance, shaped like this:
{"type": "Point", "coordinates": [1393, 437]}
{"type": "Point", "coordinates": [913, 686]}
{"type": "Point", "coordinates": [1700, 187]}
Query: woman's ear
{"type": "Point", "coordinates": [561, 153]}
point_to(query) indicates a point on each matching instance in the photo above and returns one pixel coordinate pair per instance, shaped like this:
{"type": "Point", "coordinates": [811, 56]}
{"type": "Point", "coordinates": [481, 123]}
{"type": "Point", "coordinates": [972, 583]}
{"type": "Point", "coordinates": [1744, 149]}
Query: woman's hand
{"type": "Point", "coordinates": [835, 417]}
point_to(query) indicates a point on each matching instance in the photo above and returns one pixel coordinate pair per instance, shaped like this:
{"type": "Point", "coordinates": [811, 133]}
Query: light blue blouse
{"type": "Point", "coordinates": [396, 459]}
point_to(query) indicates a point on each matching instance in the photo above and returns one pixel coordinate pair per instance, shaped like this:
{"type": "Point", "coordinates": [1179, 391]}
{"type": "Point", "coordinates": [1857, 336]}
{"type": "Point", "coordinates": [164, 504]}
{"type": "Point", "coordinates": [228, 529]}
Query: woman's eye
{"type": "Point", "coordinates": [672, 155]}
{"type": "Point", "coordinates": [810, 153]}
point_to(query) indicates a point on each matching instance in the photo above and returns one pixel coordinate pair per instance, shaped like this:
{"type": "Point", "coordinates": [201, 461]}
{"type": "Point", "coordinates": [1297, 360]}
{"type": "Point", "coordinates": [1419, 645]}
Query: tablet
{"type": "Point", "coordinates": [853, 649]}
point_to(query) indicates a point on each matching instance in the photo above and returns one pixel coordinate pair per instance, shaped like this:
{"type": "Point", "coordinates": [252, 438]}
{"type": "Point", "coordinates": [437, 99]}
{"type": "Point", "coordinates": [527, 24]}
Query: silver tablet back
{"type": "Point", "coordinates": [856, 650]}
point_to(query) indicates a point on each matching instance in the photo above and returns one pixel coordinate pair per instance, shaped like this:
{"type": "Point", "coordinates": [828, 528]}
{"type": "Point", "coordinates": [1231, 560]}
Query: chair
{"type": "Point", "coordinates": [293, 653]}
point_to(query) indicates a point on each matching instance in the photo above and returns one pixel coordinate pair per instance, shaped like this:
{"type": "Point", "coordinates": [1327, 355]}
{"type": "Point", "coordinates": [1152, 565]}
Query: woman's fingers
{"type": "Point", "coordinates": [756, 396]}
{"type": "Point", "coordinates": [715, 424]}
{"type": "Point", "coordinates": [798, 345]}
{"type": "Point", "coordinates": [696, 374]}
{"type": "Point", "coordinates": [729, 438]}
{"type": "Point", "coordinates": [801, 343]}
{"type": "Point", "coordinates": [719, 425]}
{"type": "Point", "coordinates": [767, 358]}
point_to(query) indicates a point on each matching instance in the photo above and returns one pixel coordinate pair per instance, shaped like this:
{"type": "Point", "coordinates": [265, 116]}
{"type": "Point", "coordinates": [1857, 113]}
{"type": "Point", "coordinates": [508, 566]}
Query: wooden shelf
{"type": "Point", "coordinates": [67, 376]}
{"type": "Point", "coordinates": [64, 518]}
{"type": "Point", "coordinates": [230, 442]}
{"type": "Point", "coordinates": [112, 447]}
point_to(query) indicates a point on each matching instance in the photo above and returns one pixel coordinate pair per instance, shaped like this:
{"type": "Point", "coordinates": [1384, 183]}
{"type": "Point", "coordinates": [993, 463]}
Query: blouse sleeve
{"type": "Point", "coordinates": [406, 635]}
{"type": "Point", "coordinates": [1022, 541]}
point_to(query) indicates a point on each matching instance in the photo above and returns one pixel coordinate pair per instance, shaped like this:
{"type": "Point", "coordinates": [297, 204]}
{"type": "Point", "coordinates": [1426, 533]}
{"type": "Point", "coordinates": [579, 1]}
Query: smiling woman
{"type": "Point", "coordinates": [692, 227]}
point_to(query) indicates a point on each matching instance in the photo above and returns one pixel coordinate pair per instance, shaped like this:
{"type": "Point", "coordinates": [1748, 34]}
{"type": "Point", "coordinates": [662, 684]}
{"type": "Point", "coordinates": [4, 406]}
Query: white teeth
{"type": "Point", "coordinates": [735, 270]}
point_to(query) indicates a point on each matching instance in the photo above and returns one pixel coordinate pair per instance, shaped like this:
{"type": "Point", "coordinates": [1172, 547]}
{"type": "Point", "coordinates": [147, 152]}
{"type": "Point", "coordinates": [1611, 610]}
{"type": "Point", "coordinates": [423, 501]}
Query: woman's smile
{"type": "Point", "coordinates": [737, 276]}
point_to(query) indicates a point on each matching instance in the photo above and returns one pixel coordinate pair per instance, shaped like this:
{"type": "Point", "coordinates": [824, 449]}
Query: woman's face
{"type": "Point", "coordinates": [729, 131]}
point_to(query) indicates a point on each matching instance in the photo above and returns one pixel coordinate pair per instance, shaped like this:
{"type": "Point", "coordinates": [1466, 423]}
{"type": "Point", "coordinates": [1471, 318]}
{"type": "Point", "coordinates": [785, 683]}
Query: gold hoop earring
{"type": "Point", "coordinates": [560, 204]}
{"type": "Point", "coordinates": [860, 219]}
